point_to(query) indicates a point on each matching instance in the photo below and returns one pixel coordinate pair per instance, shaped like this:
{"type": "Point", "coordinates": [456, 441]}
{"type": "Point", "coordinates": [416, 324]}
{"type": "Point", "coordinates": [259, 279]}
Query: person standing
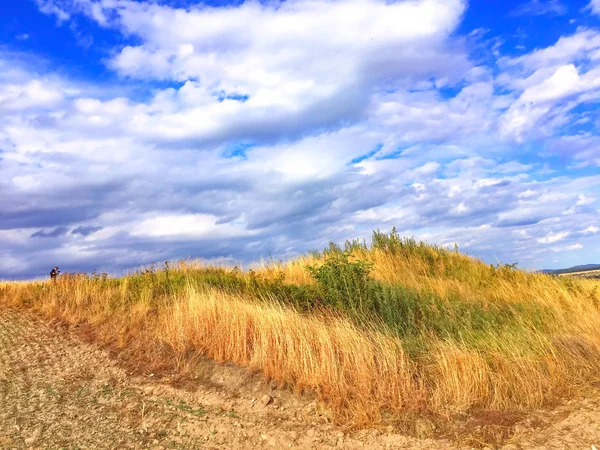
{"type": "Point", "coordinates": [54, 273]}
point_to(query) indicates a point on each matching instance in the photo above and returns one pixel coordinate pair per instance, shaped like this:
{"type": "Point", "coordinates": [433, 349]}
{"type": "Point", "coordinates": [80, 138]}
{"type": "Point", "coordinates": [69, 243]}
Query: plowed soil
{"type": "Point", "coordinates": [57, 391]}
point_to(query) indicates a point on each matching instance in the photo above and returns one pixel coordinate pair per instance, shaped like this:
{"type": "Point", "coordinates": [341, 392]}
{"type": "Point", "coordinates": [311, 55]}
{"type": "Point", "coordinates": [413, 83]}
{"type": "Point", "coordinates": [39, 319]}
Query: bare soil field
{"type": "Point", "coordinates": [57, 391]}
{"type": "Point", "coordinates": [583, 274]}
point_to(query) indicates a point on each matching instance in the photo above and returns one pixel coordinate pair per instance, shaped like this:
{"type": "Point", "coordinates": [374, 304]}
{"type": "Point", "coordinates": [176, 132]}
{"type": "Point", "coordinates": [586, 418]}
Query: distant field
{"type": "Point", "coordinates": [381, 332]}
{"type": "Point", "coordinates": [583, 274]}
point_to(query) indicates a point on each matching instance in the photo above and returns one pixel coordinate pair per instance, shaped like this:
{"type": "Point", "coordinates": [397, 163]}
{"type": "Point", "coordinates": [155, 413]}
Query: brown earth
{"type": "Point", "coordinates": [584, 274]}
{"type": "Point", "coordinates": [57, 391]}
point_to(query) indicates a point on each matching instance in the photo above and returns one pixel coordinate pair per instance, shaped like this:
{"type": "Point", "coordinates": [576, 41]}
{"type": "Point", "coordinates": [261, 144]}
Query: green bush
{"type": "Point", "coordinates": [343, 284]}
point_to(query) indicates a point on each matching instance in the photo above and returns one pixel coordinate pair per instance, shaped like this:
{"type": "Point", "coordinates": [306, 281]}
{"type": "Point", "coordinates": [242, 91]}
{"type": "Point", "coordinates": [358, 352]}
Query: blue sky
{"type": "Point", "coordinates": [134, 131]}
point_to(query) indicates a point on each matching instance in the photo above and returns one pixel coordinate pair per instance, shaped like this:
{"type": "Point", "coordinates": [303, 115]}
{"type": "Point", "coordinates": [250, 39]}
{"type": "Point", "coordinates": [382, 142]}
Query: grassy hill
{"type": "Point", "coordinates": [380, 331]}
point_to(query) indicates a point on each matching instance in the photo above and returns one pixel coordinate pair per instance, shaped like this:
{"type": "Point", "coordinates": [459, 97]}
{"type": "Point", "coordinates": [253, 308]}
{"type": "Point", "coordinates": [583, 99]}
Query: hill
{"type": "Point", "coordinates": [382, 333]}
{"type": "Point", "coordinates": [581, 268]}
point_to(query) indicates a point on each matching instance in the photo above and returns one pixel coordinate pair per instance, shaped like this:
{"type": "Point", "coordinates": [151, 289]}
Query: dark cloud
{"type": "Point", "coordinates": [56, 232]}
{"type": "Point", "coordinates": [518, 221]}
{"type": "Point", "coordinates": [45, 217]}
{"type": "Point", "coordinates": [85, 230]}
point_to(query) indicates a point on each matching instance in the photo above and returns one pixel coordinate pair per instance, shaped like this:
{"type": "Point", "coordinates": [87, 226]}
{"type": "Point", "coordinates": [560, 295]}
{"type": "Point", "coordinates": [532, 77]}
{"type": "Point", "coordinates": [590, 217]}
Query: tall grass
{"type": "Point", "coordinates": [376, 331]}
{"type": "Point", "coordinates": [358, 372]}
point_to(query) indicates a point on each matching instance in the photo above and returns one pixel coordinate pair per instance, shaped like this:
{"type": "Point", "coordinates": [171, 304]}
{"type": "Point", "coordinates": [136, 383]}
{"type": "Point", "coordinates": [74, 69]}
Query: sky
{"type": "Point", "coordinates": [134, 132]}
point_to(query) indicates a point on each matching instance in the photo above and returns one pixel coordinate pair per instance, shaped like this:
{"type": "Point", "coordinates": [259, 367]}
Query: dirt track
{"type": "Point", "coordinates": [58, 392]}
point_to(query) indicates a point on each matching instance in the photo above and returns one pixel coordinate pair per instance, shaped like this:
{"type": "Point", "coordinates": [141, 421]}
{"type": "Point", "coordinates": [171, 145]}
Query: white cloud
{"type": "Point", "coordinates": [567, 49]}
{"type": "Point", "coordinates": [35, 93]}
{"type": "Point", "coordinates": [233, 43]}
{"type": "Point", "coordinates": [53, 7]}
{"type": "Point", "coordinates": [185, 226]}
{"type": "Point", "coordinates": [282, 56]}
{"type": "Point", "coordinates": [583, 200]}
{"type": "Point", "coordinates": [548, 84]}
{"type": "Point", "coordinates": [563, 82]}
{"type": "Point", "coordinates": [539, 101]}
{"type": "Point", "coordinates": [594, 5]}
{"type": "Point", "coordinates": [573, 247]}
{"type": "Point", "coordinates": [553, 237]}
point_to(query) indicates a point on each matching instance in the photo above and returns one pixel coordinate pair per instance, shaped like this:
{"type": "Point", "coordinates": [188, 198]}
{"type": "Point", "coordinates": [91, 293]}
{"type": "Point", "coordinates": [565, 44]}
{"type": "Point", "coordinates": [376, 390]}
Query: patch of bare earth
{"type": "Point", "coordinates": [57, 391]}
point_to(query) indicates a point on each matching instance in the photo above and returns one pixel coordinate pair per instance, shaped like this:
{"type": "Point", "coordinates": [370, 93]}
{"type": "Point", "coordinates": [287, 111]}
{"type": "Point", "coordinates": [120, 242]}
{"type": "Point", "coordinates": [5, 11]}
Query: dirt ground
{"type": "Point", "coordinates": [57, 391]}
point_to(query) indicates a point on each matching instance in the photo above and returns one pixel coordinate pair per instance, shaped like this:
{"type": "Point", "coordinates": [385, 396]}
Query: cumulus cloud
{"type": "Point", "coordinates": [257, 47]}
{"type": "Point", "coordinates": [292, 73]}
{"type": "Point", "coordinates": [549, 84]}
{"type": "Point", "coordinates": [260, 131]}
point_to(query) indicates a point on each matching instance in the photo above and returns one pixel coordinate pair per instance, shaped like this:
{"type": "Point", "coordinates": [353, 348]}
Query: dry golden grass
{"type": "Point", "coordinates": [359, 373]}
{"type": "Point", "coordinates": [361, 370]}
{"type": "Point", "coordinates": [467, 277]}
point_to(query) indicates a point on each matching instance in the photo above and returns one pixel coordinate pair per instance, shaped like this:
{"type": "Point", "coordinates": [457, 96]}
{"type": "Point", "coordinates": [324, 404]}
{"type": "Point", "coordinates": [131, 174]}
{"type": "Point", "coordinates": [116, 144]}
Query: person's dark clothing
{"type": "Point", "coordinates": [54, 273]}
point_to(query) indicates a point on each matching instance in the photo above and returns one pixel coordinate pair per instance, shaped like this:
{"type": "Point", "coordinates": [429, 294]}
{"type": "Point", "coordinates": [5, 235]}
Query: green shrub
{"type": "Point", "coordinates": [343, 284]}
